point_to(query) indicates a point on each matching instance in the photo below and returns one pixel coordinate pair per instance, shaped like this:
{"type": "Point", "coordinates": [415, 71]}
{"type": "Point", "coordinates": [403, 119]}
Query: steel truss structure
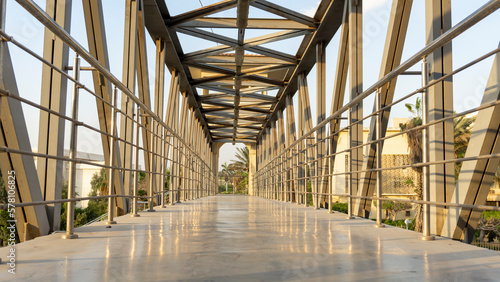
{"type": "Point", "coordinates": [246, 95]}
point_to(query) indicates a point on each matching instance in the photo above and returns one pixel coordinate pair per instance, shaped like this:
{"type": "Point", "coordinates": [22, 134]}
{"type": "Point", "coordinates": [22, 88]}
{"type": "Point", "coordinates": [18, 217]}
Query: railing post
{"type": "Point", "coordinates": [164, 170]}
{"type": "Point", "coordinates": [330, 172]}
{"type": "Point", "coordinates": [70, 220]}
{"type": "Point", "coordinates": [136, 165]}
{"type": "Point", "coordinates": [161, 185]}
{"type": "Point", "coordinates": [317, 172]}
{"type": "Point", "coordinates": [111, 200]}
{"type": "Point", "coordinates": [426, 228]}
{"type": "Point", "coordinates": [349, 199]}
{"type": "Point", "coordinates": [378, 106]}
{"type": "Point", "coordinates": [152, 175]}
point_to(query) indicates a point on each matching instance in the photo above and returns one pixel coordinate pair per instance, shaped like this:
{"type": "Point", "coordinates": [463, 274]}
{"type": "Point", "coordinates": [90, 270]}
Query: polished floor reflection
{"type": "Point", "coordinates": [242, 238]}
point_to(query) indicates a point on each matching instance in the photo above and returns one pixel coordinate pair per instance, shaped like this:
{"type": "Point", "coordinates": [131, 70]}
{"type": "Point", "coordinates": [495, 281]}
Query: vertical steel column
{"type": "Point", "coordinates": [252, 155]}
{"type": "Point", "coordinates": [32, 221]}
{"type": "Point", "coordinates": [283, 160]}
{"type": "Point", "coordinates": [164, 170]}
{"type": "Point", "coordinates": [378, 103]}
{"type": "Point", "coordinates": [274, 166]}
{"type": "Point", "coordinates": [300, 152]}
{"type": "Point", "coordinates": [159, 84]}
{"type": "Point", "coordinates": [53, 96]}
{"type": "Point", "coordinates": [96, 37]}
{"type": "Point", "coordinates": [305, 108]}
{"type": "Point", "coordinates": [136, 164]}
{"type": "Point", "coordinates": [329, 169]}
{"type": "Point", "coordinates": [291, 132]}
{"type": "Point", "coordinates": [339, 85]}
{"type": "Point", "coordinates": [112, 144]}
{"type": "Point", "coordinates": [70, 220]}
{"type": "Point", "coordinates": [426, 225]}
{"type": "Point", "coordinates": [348, 174]}
{"type": "Point", "coordinates": [440, 98]}
{"type": "Point", "coordinates": [152, 165]}
{"type": "Point", "coordinates": [356, 85]}
{"type": "Point", "coordinates": [128, 78]}
{"type": "Point", "coordinates": [321, 186]}
{"type": "Point", "coordinates": [161, 183]}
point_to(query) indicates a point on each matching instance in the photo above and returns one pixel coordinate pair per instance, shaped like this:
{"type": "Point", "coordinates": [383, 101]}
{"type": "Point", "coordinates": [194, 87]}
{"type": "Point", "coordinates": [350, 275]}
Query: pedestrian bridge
{"type": "Point", "coordinates": [244, 238]}
{"type": "Point", "coordinates": [240, 71]}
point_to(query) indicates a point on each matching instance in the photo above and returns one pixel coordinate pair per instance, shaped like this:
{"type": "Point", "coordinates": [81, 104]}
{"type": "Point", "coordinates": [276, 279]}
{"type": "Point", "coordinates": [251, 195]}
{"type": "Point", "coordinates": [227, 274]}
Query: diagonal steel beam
{"type": "Point", "coordinates": [393, 50]}
{"type": "Point", "coordinates": [128, 79]}
{"type": "Point", "coordinates": [208, 22]}
{"type": "Point", "coordinates": [331, 22]}
{"type": "Point", "coordinates": [198, 13]}
{"type": "Point", "coordinates": [96, 38]}
{"type": "Point", "coordinates": [250, 45]}
{"type": "Point", "coordinates": [284, 12]}
{"type": "Point", "coordinates": [53, 96]}
{"type": "Point", "coordinates": [156, 13]}
{"type": "Point", "coordinates": [32, 221]}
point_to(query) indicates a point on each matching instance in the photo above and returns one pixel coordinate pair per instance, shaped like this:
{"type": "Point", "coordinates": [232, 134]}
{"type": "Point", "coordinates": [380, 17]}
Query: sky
{"type": "Point", "coordinates": [468, 86]}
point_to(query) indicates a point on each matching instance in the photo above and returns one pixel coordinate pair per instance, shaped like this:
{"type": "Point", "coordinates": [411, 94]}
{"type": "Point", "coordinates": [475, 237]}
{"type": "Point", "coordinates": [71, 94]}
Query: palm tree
{"type": "Point", "coordinates": [243, 162]}
{"type": "Point", "coordinates": [241, 167]}
{"type": "Point", "coordinates": [225, 171]}
{"type": "Point", "coordinates": [462, 130]}
{"type": "Point", "coordinates": [99, 183]}
{"type": "Point", "coordinates": [414, 138]}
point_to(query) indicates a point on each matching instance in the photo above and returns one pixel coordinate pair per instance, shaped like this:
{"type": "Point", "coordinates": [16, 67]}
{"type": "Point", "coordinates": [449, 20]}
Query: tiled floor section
{"type": "Point", "coordinates": [242, 238]}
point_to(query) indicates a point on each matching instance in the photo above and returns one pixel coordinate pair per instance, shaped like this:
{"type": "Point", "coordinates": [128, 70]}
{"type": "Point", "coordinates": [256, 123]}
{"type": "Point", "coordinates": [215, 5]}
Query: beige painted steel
{"type": "Point", "coordinates": [143, 87]}
{"type": "Point", "coordinates": [96, 37]}
{"type": "Point", "coordinates": [31, 221]}
{"type": "Point", "coordinates": [393, 50]}
{"type": "Point", "coordinates": [128, 79]}
{"type": "Point", "coordinates": [339, 85]}
{"type": "Point", "coordinates": [170, 119]}
{"type": "Point", "coordinates": [291, 137]}
{"type": "Point", "coordinates": [310, 151]}
{"type": "Point", "coordinates": [282, 164]}
{"type": "Point", "coordinates": [321, 182]}
{"type": "Point", "coordinates": [356, 87]}
{"type": "Point", "coordinates": [252, 156]}
{"type": "Point", "coordinates": [182, 159]}
{"type": "Point", "coordinates": [476, 177]}
{"type": "Point", "coordinates": [274, 150]}
{"type": "Point", "coordinates": [441, 136]}
{"type": "Point", "coordinates": [53, 96]}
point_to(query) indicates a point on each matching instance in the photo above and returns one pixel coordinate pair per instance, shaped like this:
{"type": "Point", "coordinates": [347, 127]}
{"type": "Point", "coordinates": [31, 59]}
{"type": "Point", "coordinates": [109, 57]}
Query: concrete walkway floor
{"type": "Point", "coordinates": [242, 238]}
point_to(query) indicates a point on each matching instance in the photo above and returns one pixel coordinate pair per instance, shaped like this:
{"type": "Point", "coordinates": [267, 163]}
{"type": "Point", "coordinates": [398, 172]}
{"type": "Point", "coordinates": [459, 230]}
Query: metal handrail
{"type": "Point", "coordinates": [55, 28]}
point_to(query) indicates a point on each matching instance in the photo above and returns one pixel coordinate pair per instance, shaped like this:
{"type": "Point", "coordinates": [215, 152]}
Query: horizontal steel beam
{"type": "Point", "coordinates": [252, 24]}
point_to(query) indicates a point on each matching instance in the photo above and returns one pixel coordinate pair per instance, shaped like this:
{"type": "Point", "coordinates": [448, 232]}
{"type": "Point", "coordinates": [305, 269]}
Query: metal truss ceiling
{"type": "Point", "coordinates": [237, 73]}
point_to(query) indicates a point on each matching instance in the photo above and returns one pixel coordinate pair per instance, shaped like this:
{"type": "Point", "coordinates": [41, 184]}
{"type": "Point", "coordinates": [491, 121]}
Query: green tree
{"type": "Point", "coordinates": [462, 129]}
{"type": "Point", "coordinates": [97, 207]}
{"type": "Point", "coordinates": [241, 167]}
{"type": "Point", "coordinates": [4, 216]}
{"type": "Point", "coordinates": [226, 172]}
{"type": "Point", "coordinates": [243, 162]}
{"type": "Point", "coordinates": [414, 139]}
{"type": "Point", "coordinates": [99, 183]}
{"type": "Point", "coordinates": [81, 216]}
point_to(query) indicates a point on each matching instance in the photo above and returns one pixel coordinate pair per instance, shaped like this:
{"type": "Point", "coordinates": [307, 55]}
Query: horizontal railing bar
{"type": "Point", "coordinates": [456, 30]}
{"type": "Point", "coordinates": [55, 28]}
